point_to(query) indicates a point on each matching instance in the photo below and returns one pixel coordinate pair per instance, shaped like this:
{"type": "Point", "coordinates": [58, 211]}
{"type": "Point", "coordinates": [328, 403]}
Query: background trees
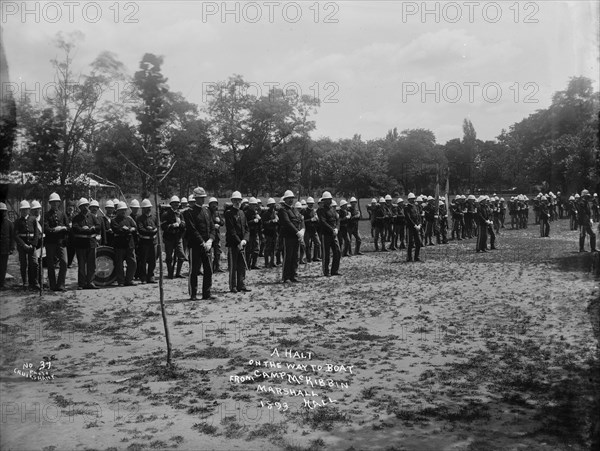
{"type": "Point", "coordinates": [262, 144]}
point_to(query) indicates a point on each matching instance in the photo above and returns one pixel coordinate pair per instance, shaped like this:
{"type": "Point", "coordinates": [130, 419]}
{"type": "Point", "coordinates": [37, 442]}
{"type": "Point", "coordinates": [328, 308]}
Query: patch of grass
{"type": "Point", "coordinates": [213, 352]}
{"type": "Point", "coordinates": [232, 428]}
{"type": "Point", "coordinates": [297, 319]}
{"type": "Point", "coordinates": [158, 444]}
{"type": "Point", "coordinates": [266, 430]}
{"type": "Point", "coordinates": [205, 428]}
{"type": "Point", "coordinates": [177, 439]}
{"type": "Point", "coordinates": [365, 336]}
{"type": "Point", "coordinates": [368, 392]}
{"type": "Point", "coordinates": [324, 417]}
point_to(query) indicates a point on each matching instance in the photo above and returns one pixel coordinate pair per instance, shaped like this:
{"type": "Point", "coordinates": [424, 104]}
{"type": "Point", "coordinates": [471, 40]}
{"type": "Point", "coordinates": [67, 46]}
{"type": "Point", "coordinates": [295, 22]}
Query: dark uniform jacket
{"type": "Point", "coordinates": [328, 219]}
{"type": "Point", "coordinates": [483, 214]}
{"type": "Point", "coordinates": [167, 221]}
{"type": "Point", "coordinates": [147, 228]}
{"type": "Point", "coordinates": [269, 224]}
{"type": "Point", "coordinates": [85, 239]}
{"type": "Point", "coordinates": [379, 215]}
{"type": "Point", "coordinates": [237, 227]}
{"type": "Point", "coordinates": [124, 239]}
{"type": "Point", "coordinates": [251, 215]}
{"type": "Point", "coordinates": [290, 221]}
{"type": "Point", "coordinates": [7, 236]}
{"type": "Point", "coordinates": [344, 218]}
{"type": "Point", "coordinates": [354, 215]}
{"type": "Point", "coordinates": [53, 219]}
{"type": "Point", "coordinates": [26, 232]}
{"type": "Point", "coordinates": [199, 225]}
{"type": "Point", "coordinates": [411, 213]}
{"type": "Point", "coordinates": [308, 214]}
{"type": "Point", "coordinates": [584, 212]}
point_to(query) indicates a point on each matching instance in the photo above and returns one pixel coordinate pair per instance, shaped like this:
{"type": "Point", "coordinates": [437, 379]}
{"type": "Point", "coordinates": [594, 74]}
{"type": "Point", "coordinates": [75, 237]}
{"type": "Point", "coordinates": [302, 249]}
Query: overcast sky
{"type": "Point", "coordinates": [374, 65]}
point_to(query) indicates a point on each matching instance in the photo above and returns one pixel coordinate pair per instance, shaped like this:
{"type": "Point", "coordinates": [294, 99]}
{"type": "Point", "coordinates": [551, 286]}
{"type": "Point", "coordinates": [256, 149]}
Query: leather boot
{"type": "Point", "coordinates": [179, 265]}
{"type": "Point", "coordinates": [409, 255]}
{"type": "Point", "coordinates": [582, 244]}
{"type": "Point", "coordinates": [593, 243]}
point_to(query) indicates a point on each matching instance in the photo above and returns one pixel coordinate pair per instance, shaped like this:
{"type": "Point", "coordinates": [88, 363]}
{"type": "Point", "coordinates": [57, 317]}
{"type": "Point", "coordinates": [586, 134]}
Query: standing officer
{"type": "Point", "coordinates": [26, 236]}
{"type": "Point", "coordinates": [85, 227]}
{"type": "Point", "coordinates": [125, 231]}
{"type": "Point", "coordinates": [353, 225]}
{"type": "Point", "coordinates": [270, 220]}
{"type": "Point", "coordinates": [261, 235]}
{"type": "Point", "coordinates": [312, 243]}
{"type": "Point", "coordinates": [200, 234]}
{"type": "Point", "coordinates": [379, 224]}
{"type": "Point", "coordinates": [544, 217]}
{"type": "Point", "coordinates": [413, 227]}
{"type": "Point", "coordinates": [483, 221]}
{"type": "Point", "coordinates": [584, 217]}
{"type": "Point", "coordinates": [400, 226]}
{"type": "Point", "coordinates": [56, 228]}
{"type": "Point", "coordinates": [7, 242]}
{"type": "Point", "coordinates": [147, 230]}
{"type": "Point", "coordinates": [218, 221]}
{"type": "Point", "coordinates": [572, 212]}
{"type": "Point", "coordinates": [236, 237]}
{"type": "Point", "coordinates": [173, 229]}
{"type": "Point", "coordinates": [292, 230]}
{"type": "Point", "coordinates": [254, 226]}
{"type": "Point", "coordinates": [329, 223]}
{"type": "Point", "coordinates": [109, 213]}
{"type": "Point", "coordinates": [343, 234]}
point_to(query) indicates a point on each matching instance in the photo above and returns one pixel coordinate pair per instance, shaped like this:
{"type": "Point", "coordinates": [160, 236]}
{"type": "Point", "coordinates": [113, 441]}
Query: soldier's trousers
{"type": "Point", "coordinates": [430, 230]}
{"type": "Point", "coordinates": [481, 243]}
{"type": "Point", "coordinates": [261, 245]}
{"type": "Point", "coordinates": [125, 256]}
{"type": "Point", "coordinates": [29, 266]}
{"type": "Point", "coordinates": [174, 250]}
{"type": "Point", "coordinates": [573, 221]}
{"type": "Point", "coordinates": [353, 233]}
{"type": "Point", "coordinates": [492, 235]}
{"type": "Point", "coordinates": [86, 265]}
{"type": "Point", "coordinates": [237, 269]}
{"type": "Point", "coordinates": [53, 251]}
{"type": "Point", "coordinates": [458, 227]}
{"type": "Point", "coordinates": [344, 239]}
{"type": "Point", "coordinates": [444, 230]}
{"type": "Point", "coordinates": [252, 250]}
{"type": "Point", "coordinates": [513, 221]}
{"type": "Point", "coordinates": [270, 242]}
{"type": "Point", "coordinates": [544, 227]}
{"type": "Point", "coordinates": [289, 269]}
{"type": "Point", "coordinates": [331, 251]}
{"type": "Point", "coordinates": [312, 243]}
{"type": "Point", "coordinates": [583, 231]}
{"type": "Point", "coordinates": [199, 256]}
{"type": "Point", "coordinates": [216, 248]}
{"type": "Point", "coordinates": [414, 242]}
{"type": "Point", "coordinates": [147, 260]}
{"type": "Point", "coordinates": [399, 235]}
{"type": "Point", "coordinates": [3, 268]}
{"type": "Point", "coordinates": [379, 235]}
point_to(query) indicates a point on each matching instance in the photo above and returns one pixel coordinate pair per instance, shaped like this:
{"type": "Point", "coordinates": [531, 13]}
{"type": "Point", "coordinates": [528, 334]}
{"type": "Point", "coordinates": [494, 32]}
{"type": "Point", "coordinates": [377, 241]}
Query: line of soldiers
{"type": "Point", "coordinates": [285, 233]}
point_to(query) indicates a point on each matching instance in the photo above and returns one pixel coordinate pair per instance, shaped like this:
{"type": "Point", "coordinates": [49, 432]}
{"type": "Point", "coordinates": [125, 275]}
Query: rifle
{"type": "Point", "coordinates": [41, 261]}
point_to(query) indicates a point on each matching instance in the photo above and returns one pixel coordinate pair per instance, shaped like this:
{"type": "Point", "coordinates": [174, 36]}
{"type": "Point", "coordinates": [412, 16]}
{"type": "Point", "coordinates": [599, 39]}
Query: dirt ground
{"type": "Point", "coordinates": [463, 351]}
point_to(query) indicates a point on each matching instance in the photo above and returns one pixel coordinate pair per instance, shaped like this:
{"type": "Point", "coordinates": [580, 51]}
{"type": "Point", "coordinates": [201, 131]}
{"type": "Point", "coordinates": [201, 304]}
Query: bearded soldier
{"type": "Point", "coordinates": [173, 227]}
{"type": "Point", "coordinates": [329, 222]}
{"type": "Point", "coordinates": [353, 225]}
{"type": "Point", "coordinates": [125, 240]}
{"type": "Point", "coordinates": [85, 227]}
{"type": "Point", "coordinates": [292, 231]}
{"type": "Point", "coordinates": [56, 228]}
{"type": "Point", "coordinates": [236, 238]}
{"type": "Point", "coordinates": [200, 234]}
{"type": "Point", "coordinates": [270, 221]}
{"type": "Point", "coordinates": [219, 222]}
{"type": "Point", "coordinates": [584, 217]}
{"type": "Point", "coordinates": [312, 243]}
{"type": "Point", "coordinates": [147, 230]}
{"type": "Point", "coordinates": [413, 226]}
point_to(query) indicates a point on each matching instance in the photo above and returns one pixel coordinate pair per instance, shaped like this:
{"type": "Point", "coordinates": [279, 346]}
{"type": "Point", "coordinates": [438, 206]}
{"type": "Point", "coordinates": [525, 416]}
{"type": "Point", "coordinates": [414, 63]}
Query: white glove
{"type": "Point", "coordinates": [217, 226]}
{"type": "Point", "coordinates": [256, 219]}
{"type": "Point", "coordinates": [335, 231]}
{"type": "Point", "coordinates": [418, 227]}
{"type": "Point", "coordinates": [436, 216]}
{"type": "Point", "coordinates": [243, 243]}
{"type": "Point", "coordinates": [125, 228]}
{"type": "Point", "coordinates": [208, 245]}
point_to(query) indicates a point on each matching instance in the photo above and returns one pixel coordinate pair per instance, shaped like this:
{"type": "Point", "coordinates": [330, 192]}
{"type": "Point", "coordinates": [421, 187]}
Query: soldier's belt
{"type": "Point", "coordinates": [76, 235]}
{"type": "Point", "coordinates": [26, 235]}
{"type": "Point", "coordinates": [146, 237]}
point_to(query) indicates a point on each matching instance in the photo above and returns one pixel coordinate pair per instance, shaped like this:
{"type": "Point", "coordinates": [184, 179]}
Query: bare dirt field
{"type": "Point", "coordinates": [463, 351]}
